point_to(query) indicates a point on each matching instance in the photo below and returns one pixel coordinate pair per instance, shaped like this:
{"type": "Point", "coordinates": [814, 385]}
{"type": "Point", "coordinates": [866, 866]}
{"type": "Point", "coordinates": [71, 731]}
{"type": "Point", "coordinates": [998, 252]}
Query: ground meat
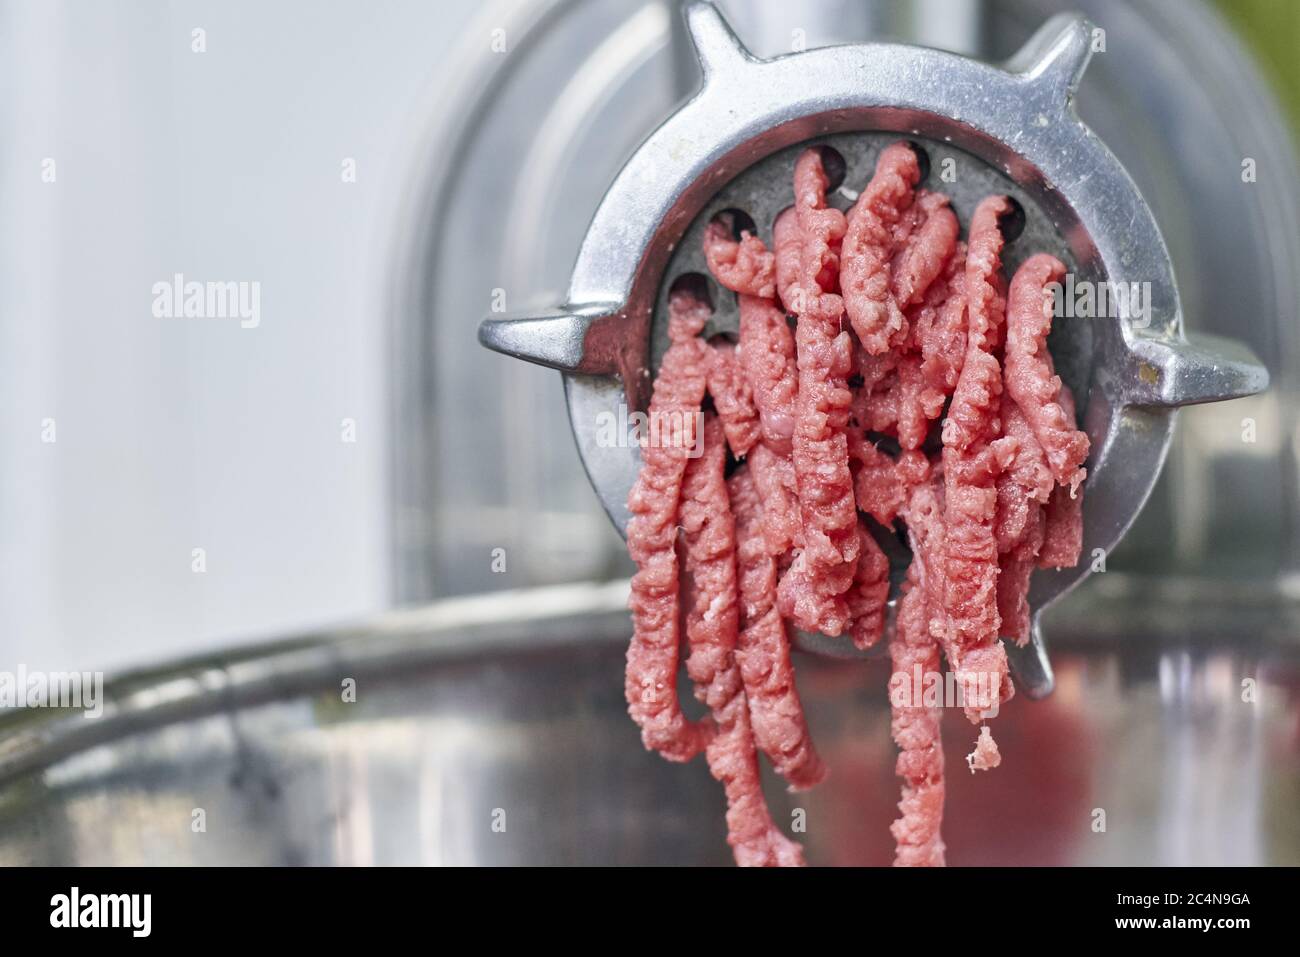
{"type": "Point", "coordinates": [1025, 485]}
{"type": "Point", "coordinates": [812, 591]}
{"type": "Point", "coordinates": [880, 490]}
{"type": "Point", "coordinates": [712, 623]}
{"type": "Point", "coordinates": [985, 757]}
{"type": "Point", "coordinates": [774, 478]}
{"type": "Point", "coordinates": [1063, 537]}
{"type": "Point", "coordinates": [763, 648]}
{"type": "Point", "coordinates": [1063, 534]}
{"type": "Point", "coordinates": [732, 398]}
{"type": "Point", "coordinates": [743, 267]}
{"type": "Point", "coordinates": [767, 359]}
{"type": "Point", "coordinates": [916, 404]}
{"type": "Point", "coordinates": [867, 249]}
{"type": "Point", "coordinates": [651, 678]}
{"type": "Point", "coordinates": [941, 329]}
{"type": "Point", "coordinates": [828, 425]}
{"type": "Point", "coordinates": [915, 728]}
{"type": "Point", "coordinates": [1016, 566]}
{"type": "Point", "coordinates": [870, 592]}
{"type": "Point", "coordinates": [971, 464]}
{"type": "Point", "coordinates": [1030, 378]}
{"type": "Point", "coordinates": [923, 254]}
{"type": "Point", "coordinates": [822, 231]}
{"type": "Point", "coordinates": [973, 417]}
{"type": "Point", "coordinates": [915, 725]}
{"type": "Point", "coordinates": [787, 242]}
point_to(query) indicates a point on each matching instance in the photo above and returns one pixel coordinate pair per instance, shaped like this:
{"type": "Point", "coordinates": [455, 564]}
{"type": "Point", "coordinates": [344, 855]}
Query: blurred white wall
{"type": "Point", "coordinates": [174, 434]}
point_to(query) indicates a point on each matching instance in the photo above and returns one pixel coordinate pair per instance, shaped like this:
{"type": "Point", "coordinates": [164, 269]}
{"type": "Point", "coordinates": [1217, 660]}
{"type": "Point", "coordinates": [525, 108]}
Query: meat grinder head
{"type": "Point", "coordinates": [1009, 128]}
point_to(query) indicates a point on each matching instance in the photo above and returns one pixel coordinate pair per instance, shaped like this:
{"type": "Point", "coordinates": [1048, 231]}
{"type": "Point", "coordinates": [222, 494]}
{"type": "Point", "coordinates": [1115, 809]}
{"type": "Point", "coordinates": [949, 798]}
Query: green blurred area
{"type": "Point", "coordinates": [1272, 30]}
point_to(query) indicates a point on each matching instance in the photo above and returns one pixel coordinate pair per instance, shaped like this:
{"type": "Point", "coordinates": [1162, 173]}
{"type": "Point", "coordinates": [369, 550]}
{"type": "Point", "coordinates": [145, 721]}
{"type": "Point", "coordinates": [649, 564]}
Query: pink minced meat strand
{"type": "Point", "coordinates": [923, 254]}
{"type": "Point", "coordinates": [774, 477]}
{"type": "Point", "coordinates": [652, 656]}
{"type": "Point", "coordinates": [811, 593]}
{"type": "Point", "coordinates": [985, 757]}
{"type": "Point", "coordinates": [787, 245]}
{"type": "Point", "coordinates": [914, 654]}
{"type": "Point", "coordinates": [1030, 378]}
{"type": "Point", "coordinates": [822, 230]}
{"type": "Point", "coordinates": [743, 266]}
{"type": "Point", "coordinates": [712, 624]}
{"type": "Point", "coordinates": [767, 360]}
{"type": "Point", "coordinates": [1063, 534]}
{"type": "Point", "coordinates": [732, 398]}
{"type": "Point", "coordinates": [870, 592]}
{"type": "Point", "coordinates": [1015, 569]}
{"type": "Point", "coordinates": [940, 331]}
{"type": "Point", "coordinates": [882, 484]}
{"type": "Point", "coordinates": [763, 648]}
{"type": "Point", "coordinates": [915, 728]}
{"type": "Point", "coordinates": [867, 248]}
{"type": "Point", "coordinates": [1025, 485]}
{"type": "Point", "coordinates": [971, 463]}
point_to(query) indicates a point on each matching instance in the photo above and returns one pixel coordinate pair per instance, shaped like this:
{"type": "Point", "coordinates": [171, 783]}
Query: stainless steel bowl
{"type": "Point", "coordinates": [494, 731]}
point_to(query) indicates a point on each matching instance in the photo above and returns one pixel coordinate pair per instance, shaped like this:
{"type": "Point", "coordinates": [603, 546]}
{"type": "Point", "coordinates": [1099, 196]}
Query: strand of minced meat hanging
{"type": "Point", "coordinates": [763, 648]}
{"type": "Point", "coordinates": [733, 399]}
{"type": "Point", "coordinates": [651, 677]}
{"type": "Point", "coordinates": [970, 465]}
{"type": "Point", "coordinates": [712, 623]}
{"type": "Point", "coordinates": [765, 508]}
{"type": "Point", "coordinates": [812, 591]}
{"type": "Point", "coordinates": [1037, 523]}
{"type": "Point", "coordinates": [1023, 488]}
{"type": "Point", "coordinates": [1063, 521]}
{"type": "Point", "coordinates": [914, 655]}
{"type": "Point", "coordinates": [1031, 380]}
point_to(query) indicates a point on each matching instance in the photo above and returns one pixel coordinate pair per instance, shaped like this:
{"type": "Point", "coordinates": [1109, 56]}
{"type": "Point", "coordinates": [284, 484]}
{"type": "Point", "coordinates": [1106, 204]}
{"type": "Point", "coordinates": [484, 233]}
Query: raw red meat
{"type": "Point", "coordinates": [924, 251]}
{"type": "Point", "coordinates": [915, 724]}
{"type": "Point", "coordinates": [767, 359]}
{"type": "Point", "coordinates": [745, 266]}
{"type": "Point", "coordinates": [812, 592]}
{"type": "Point", "coordinates": [774, 478]}
{"type": "Point", "coordinates": [763, 649]}
{"type": "Point", "coordinates": [868, 245]}
{"type": "Point", "coordinates": [826, 426]}
{"type": "Point", "coordinates": [712, 622]}
{"type": "Point", "coordinates": [651, 679]}
{"type": "Point", "coordinates": [787, 244]}
{"type": "Point", "coordinates": [870, 592]}
{"type": "Point", "coordinates": [971, 464]}
{"type": "Point", "coordinates": [732, 398]}
{"type": "Point", "coordinates": [1031, 380]}
{"type": "Point", "coordinates": [1063, 535]}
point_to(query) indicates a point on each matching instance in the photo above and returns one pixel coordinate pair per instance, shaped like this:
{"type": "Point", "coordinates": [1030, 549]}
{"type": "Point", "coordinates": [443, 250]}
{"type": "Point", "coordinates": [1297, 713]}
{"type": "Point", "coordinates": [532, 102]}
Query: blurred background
{"type": "Point", "coordinates": [388, 173]}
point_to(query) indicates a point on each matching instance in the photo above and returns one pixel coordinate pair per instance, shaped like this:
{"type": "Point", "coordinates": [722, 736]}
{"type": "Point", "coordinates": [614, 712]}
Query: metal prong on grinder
{"type": "Point", "coordinates": [1030, 666]}
{"type": "Point", "coordinates": [716, 44]}
{"type": "Point", "coordinates": [568, 340]}
{"type": "Point", "coordinates": [1055, 57]}
{"type": "Point", "coordinates": [1201, 368]}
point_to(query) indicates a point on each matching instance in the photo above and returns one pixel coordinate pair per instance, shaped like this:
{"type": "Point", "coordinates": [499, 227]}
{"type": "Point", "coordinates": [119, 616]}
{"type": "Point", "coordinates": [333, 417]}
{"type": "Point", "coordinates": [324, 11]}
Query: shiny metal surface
{"type": "Point", "coordinates": [510, 712]}
{"type": "Point", "coordinates": [1020, 121]}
